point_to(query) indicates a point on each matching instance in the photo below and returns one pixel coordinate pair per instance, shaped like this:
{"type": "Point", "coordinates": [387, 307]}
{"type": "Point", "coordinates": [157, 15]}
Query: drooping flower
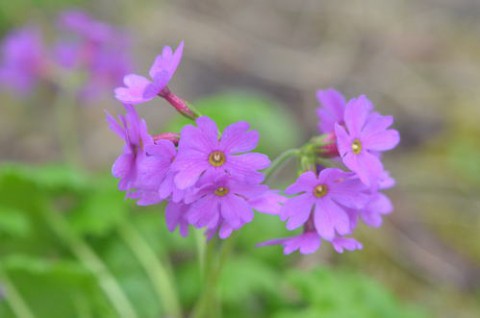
{"type": "Point", "coordinates": [327, 196]}
{"type": "Point", "coordinates": [23, 59]}
{"type": "Point", "coordinates": [134, 132]}
{"type": "Point", "coordinates": [364, 136]}
{"type": "Point", "coordinates": [140, 89]}
{"type": "Point", "coordinates": [201, 151]}
{"type": "Point", "coordinates": [331, 110]}
{"type": "Point", "coordinates": [223, 203]}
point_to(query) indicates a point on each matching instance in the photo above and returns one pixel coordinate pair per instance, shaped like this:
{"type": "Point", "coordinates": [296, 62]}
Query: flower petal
{"type": "Point", "coordinates": [328, 218]}
{"type": "Point", "coordinates": [296, 211]}
{"type": "Point", "coordinates": [304, 183]}
{"type": "Point", "coordinates": [236, 138]}
{"type": "Point", "coordinates": [134, 91]}
{"type": "Point", "coordinates": [189, 174]}
{"type": "Point", "coordinates": [203, 212]}
{"type": "Point", "coordinates": [332, 111]}
{"type": "Point", "coordinates": [235, 211]}
{"type": "Point", "coordinates": [382, 141]}
{"type": "Point", "coordinates": [356, 113]}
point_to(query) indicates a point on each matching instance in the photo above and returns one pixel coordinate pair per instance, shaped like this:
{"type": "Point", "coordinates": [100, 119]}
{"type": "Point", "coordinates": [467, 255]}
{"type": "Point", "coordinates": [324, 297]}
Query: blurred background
{"type": "Point", "coordinates": [260, 61]}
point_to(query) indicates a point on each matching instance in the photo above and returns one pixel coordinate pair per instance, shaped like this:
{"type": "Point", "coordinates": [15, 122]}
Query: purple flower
{"type": "Point", "coordinates": [98, 49]}
{"type": "Point", "coordinates": [133, 130]}
{"type": "Point", "coordinates": [378, 205]}
{"type": "Point", "coordinates": [23, 59]}
{"type": "Point", "coordinates": [139, 89]}
{"type": "Point", "coordinates": [175, 216]}
{"type": "Point", "coordinates": [332, 111]}
{"type": "Point", "coordinates": [362, 139]}
{"type": "Point", "coordinates": [81, 23]}
{"type": "Point", "coordinates": [306, 243]}
{"type": "Point", "coordinates": [152, 171]}
{"type": "Point", "coordinates": [309, 242]}
{"type": "Point", "coordinates": [202, 152]}
{"type": "Point", "coordinates": [346, 243]}
{"type": "Point", "coordinates": [223, 203]}
{"type": "Point", "coordinates": [327, 197]}
{"type": "Point", "coordinates": [268, 201]}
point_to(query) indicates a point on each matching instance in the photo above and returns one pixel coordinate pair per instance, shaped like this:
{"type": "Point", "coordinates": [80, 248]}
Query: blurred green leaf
{"type": "Point", "coordinates": [278, 131]}
{"type": "Point", "coordinates": [55, 288]}
{"type": "Point", "coordinates": [101, 209]}
{"type": "Point", "coordinates": [244, 278]}
{"type": "Point", "coordinates": [13, 222]}
{"type": "Point", "coordinates": [339, 293]}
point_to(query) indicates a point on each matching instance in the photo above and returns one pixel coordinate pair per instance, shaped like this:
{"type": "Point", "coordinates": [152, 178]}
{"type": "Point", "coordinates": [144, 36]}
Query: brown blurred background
{"type": "Point", "coordinates": [418, 60]}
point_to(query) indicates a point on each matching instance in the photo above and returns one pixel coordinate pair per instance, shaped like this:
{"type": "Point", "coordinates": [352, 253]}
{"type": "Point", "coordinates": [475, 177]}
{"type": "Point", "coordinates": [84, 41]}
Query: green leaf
{"type": "Point", "coordinates": [13, 222]}
{"type": "Point", "coordinates": [334, 293]}
{"type": "Point", "coordinates": [55, 288]}
{"type": "Point", "coordinates": [244, 279]}
{"type": "Point", "coordinates": [102, 207]}
{"type": "Point", "coordinates": [278, 131]}
{"type": "Point", "coordinates": [50, 177]}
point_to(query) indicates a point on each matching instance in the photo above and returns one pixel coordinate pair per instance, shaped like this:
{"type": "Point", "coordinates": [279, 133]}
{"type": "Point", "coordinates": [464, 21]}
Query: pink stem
{"type": "Point", "coordinates": [179, 104]}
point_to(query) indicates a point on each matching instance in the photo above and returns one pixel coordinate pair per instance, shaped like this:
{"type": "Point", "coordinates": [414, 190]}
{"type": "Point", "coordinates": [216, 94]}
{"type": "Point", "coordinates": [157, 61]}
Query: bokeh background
{"type": "Point", "coordinates": [417, 60]}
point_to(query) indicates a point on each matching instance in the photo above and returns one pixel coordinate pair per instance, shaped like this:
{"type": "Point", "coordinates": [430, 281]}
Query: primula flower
{"type": "Point", "coordinates": [23, 59]}
{"type": "Point", "coordinates": [333, 106]}
{"type": "Point", "coordinates": [140, 89]}
{"type": "Point", "coordinates": [133, 130]}
{"type": "Point", "coordinates": [201, 151]}
{"type": "Point", "coordinates": [362, 139]}
{"type": "Point", "coordinates": [327, 196]}
{"type": "Point", "coordinates": [152, 171]}
{"type": "Point", "coordinates": [224, 203]}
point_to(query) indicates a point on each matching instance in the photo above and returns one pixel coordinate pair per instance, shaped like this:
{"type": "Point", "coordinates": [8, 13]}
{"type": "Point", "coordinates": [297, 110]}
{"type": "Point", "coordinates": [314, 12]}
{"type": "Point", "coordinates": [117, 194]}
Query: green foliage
{"type": "Point", "coordinates": [341, 293]}
{"type": "Point", "coordinates": [278, 131]}
{"type": "Point", "coordinates": [51, 276]}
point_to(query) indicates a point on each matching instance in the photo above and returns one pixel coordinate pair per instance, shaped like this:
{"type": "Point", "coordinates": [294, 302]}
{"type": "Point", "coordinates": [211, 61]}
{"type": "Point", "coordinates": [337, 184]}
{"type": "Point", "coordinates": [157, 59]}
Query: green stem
{"type": "Point", "coordinates": [157, 272]}
{"type": "Point", "coordinates": [201, 243]}
{"type": "Point", "coordinates": [107, 281]}
{"type": "Point", "coordinates": [14, 299]}
{"type": "Point", "coordinates": [279, 161]}
{"type": "Point", "coordinates": [209, 305]}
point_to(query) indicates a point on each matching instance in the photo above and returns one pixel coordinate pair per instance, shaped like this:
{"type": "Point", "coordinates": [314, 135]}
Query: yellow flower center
{"type": "Point", "coordinates": [320, 190]}
{"type": "Point", "coordinates": [356, 146]}
{"type": "Point", "coordinates": [217, 158]}
{"type": "Point", "coordinates": [221, 191]}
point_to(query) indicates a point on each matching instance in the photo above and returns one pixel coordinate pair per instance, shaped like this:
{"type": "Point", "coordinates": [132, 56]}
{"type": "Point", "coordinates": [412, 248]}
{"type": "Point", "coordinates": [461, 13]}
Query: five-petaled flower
{"type": "Point", "coordinates": [201, 151]}
{"type": "Point", "coordinates": [139, 89]}
{"type": "Point", "coordinates": [363, 138]}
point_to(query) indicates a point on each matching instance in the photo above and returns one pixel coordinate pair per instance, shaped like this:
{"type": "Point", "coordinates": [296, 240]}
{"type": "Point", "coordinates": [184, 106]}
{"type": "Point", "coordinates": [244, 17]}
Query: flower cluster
{"type": "Point", "coordinates": [97, 52]}
{"type": "Point", "coordinates": [209, 179]}
{"type": "Point", "coordinates": [212, 180]}
{"type": "Point", "coordinates": [328, 201]}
